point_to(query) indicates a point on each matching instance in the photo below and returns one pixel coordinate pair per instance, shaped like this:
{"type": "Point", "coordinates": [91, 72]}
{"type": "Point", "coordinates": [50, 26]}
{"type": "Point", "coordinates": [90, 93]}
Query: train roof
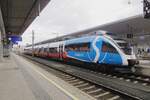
{"type": "Point", "coordinates": [62, 38]}
{"type": "Point", "coordinates": [80, 40]}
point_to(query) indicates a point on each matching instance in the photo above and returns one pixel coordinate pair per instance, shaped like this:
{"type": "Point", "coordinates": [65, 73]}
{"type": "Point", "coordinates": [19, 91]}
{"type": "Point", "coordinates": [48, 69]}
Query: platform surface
{"type": "Point", "coordinates": [23, 80]}
{"type": "Point", "coordinates": [143, 67]}
{"type": "Point", "coordinates": [145, 63]}
{"type": "Point", "coordinates": [12, 83]}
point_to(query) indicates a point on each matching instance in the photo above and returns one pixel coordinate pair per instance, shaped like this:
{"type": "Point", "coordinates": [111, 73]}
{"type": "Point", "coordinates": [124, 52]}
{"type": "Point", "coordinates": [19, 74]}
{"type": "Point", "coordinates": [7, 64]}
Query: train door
{"type": "Point", "coordinates": [61, 51]}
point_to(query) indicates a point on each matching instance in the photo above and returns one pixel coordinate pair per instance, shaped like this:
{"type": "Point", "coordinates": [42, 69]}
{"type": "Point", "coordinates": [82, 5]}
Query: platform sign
{"type": "Point", "coordinates": [146, 8]}
{"type": "Point", "coordinates": [15, 39]}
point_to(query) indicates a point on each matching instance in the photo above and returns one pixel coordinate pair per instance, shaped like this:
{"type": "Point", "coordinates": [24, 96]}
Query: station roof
{"type": "Point", "coordinates": [19, 14]}
{"type": "Point", "coordinates": [136, 25]}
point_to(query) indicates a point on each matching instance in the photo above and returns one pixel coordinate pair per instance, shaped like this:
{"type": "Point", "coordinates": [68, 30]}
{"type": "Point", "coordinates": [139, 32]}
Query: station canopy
{"type": "Point", "coordinates": [137, 26]}
{"type": "Point", "coordinates": [19, 14]}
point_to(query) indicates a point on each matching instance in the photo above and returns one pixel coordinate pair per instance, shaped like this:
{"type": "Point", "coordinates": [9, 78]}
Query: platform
{"type": "Point", "coordinates": [23, 80]}
{"type": "Point", "coordinates": [143, 67]}
{"type": "Point", "coordinates": [145, 63]}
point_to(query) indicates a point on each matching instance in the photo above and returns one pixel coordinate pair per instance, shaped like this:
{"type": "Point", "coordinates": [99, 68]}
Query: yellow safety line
{"type": "Point", "coordinates": [58, 86]}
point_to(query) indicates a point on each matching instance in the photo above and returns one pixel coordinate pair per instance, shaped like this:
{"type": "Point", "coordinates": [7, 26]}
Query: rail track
{"type": "Point", "coordinates": [95, 89]}
{"type": "Point", "coordinates": [136, 79]}
{"type": "Point", "coordinates": [130, 77]}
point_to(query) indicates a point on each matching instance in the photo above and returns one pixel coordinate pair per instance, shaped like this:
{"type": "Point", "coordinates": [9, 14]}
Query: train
{"type": "Point", "coordinates": [100, 49]}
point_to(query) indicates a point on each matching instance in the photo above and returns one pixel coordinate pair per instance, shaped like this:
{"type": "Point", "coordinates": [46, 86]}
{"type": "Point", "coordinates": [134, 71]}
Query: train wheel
{"type": "Point", "coordinates": [103, 68]}
{"type": "Point", "coordinates": [111, 69]}
{"type": "Point", "coordinates": [133, 69]}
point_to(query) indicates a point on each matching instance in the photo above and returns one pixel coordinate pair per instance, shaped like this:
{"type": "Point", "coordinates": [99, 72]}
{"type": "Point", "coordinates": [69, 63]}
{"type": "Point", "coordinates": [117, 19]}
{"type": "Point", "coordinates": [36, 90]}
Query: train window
{"type": "Point", "coordinates": [40, 49]}
{"type": "Point", "coordinates": [106, 47]}
{"type": "Point", "coordinates": [123, 44]}
{"type": "Point", "coordinates": [82, 47]}
{"type": "Point", "coordinates": [37, 50]}
{"type": "Point", "coordinates": [53, 50]}
{"type": "Point", "coordinates": [45, 49]}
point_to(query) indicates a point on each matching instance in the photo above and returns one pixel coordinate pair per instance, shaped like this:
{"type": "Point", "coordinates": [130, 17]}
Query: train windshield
{"type": "Point", "coordinates": [125, 47]}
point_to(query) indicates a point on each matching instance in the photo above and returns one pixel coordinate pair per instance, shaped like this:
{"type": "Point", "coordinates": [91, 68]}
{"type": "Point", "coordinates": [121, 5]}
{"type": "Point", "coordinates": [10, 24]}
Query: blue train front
{"type": "Point", "coordinates": [101, 49]}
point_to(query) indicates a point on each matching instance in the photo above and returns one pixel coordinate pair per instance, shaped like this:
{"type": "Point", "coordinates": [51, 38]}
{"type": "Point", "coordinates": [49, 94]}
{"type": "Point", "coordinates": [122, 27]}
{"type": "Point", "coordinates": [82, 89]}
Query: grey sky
{"type": "Point", "coordinates": [67, 16]}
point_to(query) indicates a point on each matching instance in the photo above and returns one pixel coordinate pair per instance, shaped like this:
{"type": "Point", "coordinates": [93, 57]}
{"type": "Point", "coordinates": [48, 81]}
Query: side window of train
{"type": "Point", "coordinates": [45, 49]}
{"type": "Point", "coordinates": [85, 47]}
{"type": "Point", "coordinates": [80, 47]}
{"type": "Point", "coordinates": [40, 49]}
{"type": "Point", "coordinates": [107, 47]}
{"type": "Point", "coordinates": [52, 50]}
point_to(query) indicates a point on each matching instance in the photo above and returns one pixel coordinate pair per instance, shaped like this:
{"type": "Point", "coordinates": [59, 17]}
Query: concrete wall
{"type": "Point", "coordinates": [2, 34]}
